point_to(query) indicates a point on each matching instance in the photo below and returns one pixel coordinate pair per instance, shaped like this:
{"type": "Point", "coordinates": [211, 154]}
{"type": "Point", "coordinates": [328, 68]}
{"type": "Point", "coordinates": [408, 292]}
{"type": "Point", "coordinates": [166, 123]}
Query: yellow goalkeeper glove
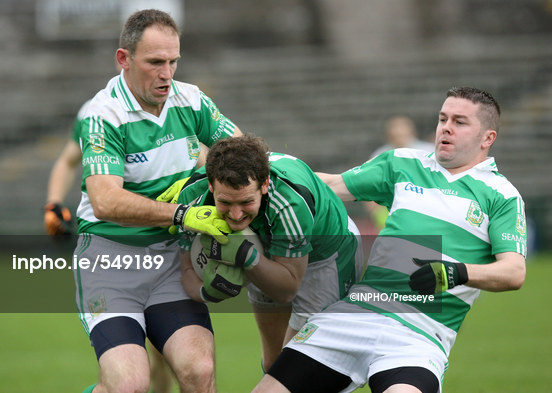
{"type": "Point", "coordinates": [202, 219]}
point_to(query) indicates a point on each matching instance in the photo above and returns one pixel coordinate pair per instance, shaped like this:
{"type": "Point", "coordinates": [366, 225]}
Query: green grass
{"type": "Point", "coordinates": [504, 346]}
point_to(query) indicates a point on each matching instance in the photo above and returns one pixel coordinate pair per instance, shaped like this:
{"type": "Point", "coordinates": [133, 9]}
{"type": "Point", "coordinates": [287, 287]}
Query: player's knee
{"type": "Point", "coordinates": [129, 384]}
{"type": "Point", "coordinates": [198, 371]}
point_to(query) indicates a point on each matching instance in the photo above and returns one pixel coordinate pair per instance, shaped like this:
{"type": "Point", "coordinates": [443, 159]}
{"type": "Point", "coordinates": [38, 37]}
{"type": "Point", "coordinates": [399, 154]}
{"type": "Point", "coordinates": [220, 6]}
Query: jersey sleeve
{"type": "Point", "coordinates": [212, 124]}
{"type": "Point", "coordinates": [292, 224]}
{"type": "Point", "coordinates": [507, 226]}
{"type": "Point", "coordinates": [373, 180]}
{"type": "Point", "coordinates": [102, 148]}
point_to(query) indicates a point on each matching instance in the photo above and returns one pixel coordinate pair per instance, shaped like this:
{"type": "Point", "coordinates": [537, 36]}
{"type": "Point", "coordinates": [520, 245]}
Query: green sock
{"type": "Point", "coordinates": [89, 389]}
{"type": "Point", "coordinates": [262, 367]}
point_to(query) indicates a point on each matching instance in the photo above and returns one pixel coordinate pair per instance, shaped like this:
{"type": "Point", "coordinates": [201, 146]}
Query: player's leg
{"type": "Point", "coordinates": [296, 372]}
{"type": "Point", "coordinates": [404, 380]}
{"type": "Point", "coordinates": [161, 375]}
{"type": "Point", "coordinates": [272, 324]}
{"type": "Point", "coordinates": [182, 332]}
{"type": "Point", "coordinates": [269, 384]}
{"type": "Point", "coordinates": [119, 343]}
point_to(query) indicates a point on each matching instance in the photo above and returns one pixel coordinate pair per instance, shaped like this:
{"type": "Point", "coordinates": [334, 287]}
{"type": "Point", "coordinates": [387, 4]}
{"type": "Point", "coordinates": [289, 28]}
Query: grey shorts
{"type": "Point", "coordinates": [124, 280]}
{"type": "Point", "coordinates": [320, 286]}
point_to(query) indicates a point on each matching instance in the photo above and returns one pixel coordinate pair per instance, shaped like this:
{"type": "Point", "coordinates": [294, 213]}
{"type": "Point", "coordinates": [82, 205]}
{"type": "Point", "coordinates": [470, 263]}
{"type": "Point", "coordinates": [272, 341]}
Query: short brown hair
{"type": "Point", "coordinates": [489, 112]}
{"type": "Point", "coordinates": [138, 22]}
{"type": "Point", "coordinates": [236, 161]}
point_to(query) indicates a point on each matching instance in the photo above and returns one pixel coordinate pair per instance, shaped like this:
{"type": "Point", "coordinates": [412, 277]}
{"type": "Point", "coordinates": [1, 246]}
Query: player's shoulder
{"type": "Point", "coordinates": [186, 94]}
{"type": "Point", "coordinates": [197, 186]}
{"type": "Point", "coordinates": [288, 166]}
{"type": "Point", "coordinates": [408, 152]}
{"type": "Point", "coordinates": [106, 105]}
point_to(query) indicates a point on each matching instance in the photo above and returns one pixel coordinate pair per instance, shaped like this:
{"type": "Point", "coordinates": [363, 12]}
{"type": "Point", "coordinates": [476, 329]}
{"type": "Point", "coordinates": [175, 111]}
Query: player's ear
{"type": "Point", "coordinates": [264, 186]}
{"type": "Point", "coordinates": [211, 189]}
{"type": "Point", "coordinates": [122, 56]}
{"type": "Point", "coordinates": [488, 138]}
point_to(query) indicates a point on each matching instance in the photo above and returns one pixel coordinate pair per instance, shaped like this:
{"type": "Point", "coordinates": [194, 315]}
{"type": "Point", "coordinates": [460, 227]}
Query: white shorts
{"type": "Point", "coordinates": [360, 344]}
{"type": "Point", "coordinates": [319, 288]}
{"type": "Point", "coordinates": [120, 291]}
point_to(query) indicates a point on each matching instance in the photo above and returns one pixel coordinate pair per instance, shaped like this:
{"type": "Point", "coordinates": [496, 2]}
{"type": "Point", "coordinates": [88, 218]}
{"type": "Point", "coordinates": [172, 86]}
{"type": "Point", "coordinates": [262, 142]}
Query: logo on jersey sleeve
{"type": "Point", "coordinates": [475, 215]}
{"type": "Point", "coordinates": [97, 143]}
{"type": "Point", "coordinates": [521, 225]}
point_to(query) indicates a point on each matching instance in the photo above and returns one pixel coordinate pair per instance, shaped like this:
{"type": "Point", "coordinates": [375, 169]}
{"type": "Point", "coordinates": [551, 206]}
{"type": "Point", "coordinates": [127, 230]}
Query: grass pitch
{"type": "Point", "coordinates": [504, 346]}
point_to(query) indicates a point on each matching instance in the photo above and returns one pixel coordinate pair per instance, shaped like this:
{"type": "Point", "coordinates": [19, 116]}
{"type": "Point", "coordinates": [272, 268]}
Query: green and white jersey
{"type": "Point", "coordinates": [299, 215]}
{"type": "Point", "coordinates": [150, 153]}
{"type": "Point", "coordinates": [75, 134]}
{"type": "Point", "coordinates": [467, 217]}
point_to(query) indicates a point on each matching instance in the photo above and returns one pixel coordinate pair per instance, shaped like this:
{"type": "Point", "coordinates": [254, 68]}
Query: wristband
{"type": "Point", "coordinates": [179, 213]}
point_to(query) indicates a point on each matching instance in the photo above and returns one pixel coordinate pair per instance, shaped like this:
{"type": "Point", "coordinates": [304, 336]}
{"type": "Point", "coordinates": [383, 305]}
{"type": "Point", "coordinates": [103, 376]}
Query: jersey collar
{"type": "Point", "coordinates": [127, 99]}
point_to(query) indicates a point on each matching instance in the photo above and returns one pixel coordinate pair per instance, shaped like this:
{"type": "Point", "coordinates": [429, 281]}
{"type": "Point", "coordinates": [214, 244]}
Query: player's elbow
{"type": "Point", "coordinates": [517, 281]}
{"type": "Point", "coordinates": [102, 210]}
{"type": "Point", "coordinates": [516, 278]}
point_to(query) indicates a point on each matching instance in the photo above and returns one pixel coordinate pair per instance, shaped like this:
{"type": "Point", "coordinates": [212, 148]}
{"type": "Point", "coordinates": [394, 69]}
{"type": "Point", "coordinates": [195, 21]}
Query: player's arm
{"type": "Point", "coordinates": [436, 276]}
{"type": "Point", "coordinates": [336, 183]}
{"type": "Point", "coordinates": [113, 203]}
{"type": "Point", "coordinates": [110, 202]}
{"type": "Point", "coordinates": [57, 219]}
{"type": "Point", "coordinates": [280, 278]}
{"type": "Point", "coordinates": [237, 132]}
{"type": "Point", "coordinates": [63, 172]}
{"type": "Point", "coordinates": [505, 274]}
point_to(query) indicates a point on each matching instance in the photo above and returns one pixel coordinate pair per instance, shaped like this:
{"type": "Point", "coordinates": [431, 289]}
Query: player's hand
{"type": "Point", "coordinates": [437, 276]}
{"type": "Point", "coordinates": [57, 220]}
{"type": "Point", "coordinates": [238, 251]}
{"type": "Point", "coordinates": [171, 194]}
{"type": "Point", "coordinates": [221, 281]}
{"type": "Point", "coordinates": [202, 219]}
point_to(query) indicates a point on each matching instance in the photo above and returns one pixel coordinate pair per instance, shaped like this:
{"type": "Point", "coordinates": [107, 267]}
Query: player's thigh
{"type": "Point", "coordinates": [125, 367]}
{"type": "Point", "coordinates": [165, 319]}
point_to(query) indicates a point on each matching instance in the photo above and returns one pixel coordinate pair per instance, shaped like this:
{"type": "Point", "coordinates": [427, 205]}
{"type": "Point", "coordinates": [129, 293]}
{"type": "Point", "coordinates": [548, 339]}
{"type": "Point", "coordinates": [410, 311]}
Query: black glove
{"type": "Point", "coordinates": [437, 276]}
{"type": "Point", "coordinates": [57, 220]}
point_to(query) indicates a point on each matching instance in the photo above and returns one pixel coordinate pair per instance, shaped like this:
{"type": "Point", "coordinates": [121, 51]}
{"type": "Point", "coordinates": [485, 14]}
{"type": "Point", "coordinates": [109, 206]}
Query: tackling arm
{"type": "Point", "coordinates": [336, 183]}
{"type": "Point", "coordinates": [505, 274]}
{"type": "Point", "coordinates": [113, 203]}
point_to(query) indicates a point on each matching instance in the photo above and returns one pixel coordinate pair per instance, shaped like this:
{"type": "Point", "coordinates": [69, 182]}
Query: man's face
{"type": "Point", "coordinates": [150, 70]}
{"type": "Point", "coordinates": [238, 207]}
{"type": "Point", "coordinates": [460, 140]}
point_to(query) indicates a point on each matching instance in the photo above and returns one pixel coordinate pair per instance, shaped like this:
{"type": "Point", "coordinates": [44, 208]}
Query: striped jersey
{"type": "Point", "coordinates": [468, 217]}
{"type": "Point", "coordinates": [299, 215]}
{"type": "Point", "coordinates": [150, 153]}
{"type": "Point", "coordinates": [75, 134]}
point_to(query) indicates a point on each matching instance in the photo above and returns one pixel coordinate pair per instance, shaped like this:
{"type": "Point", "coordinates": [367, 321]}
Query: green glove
{"type": "Point", "coordinates": [221, 281]}
{"type": "Point", "coordinates": [171, 194]}
{"type": "Point", "coordinates": [203, 219]}
{"type": "Point", "coordinates": [437, 276]}
{"type": "Point", "coordinates": [238, 251]}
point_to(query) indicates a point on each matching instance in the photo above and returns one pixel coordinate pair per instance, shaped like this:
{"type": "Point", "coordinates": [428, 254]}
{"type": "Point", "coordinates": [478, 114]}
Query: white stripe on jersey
{"type": "Point", "coordinates": [435, 204]}
{"type": "Point", "coordinates": [167, 159]}
{"type": "Point", "coordinates": [85, 211]}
